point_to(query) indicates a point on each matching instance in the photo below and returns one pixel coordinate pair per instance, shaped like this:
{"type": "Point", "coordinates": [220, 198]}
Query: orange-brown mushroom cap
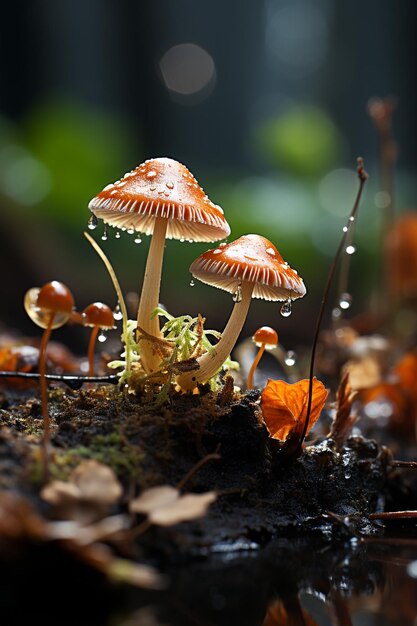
{"type": "Point", "coordinates": [98, 314]}
{"type": "Point", "coordinates": [253, 259]}
{"type": "Point", "coordinates": [266, 336]}
{"type": "Point", "coordinates": [161, 188]}
{"type": "Point", "coordinates": [55, 297]}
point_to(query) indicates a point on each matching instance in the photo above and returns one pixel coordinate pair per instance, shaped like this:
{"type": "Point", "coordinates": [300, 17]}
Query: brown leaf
{"type": "Point", "coordinates": [344, 420]}
{"type": "Point", "coordinates": [91, 489]}
{"type": "Point", "coordinates": [165, 506]}
{"type": "Point", "coordinates": [186, 508]}
{"type": "Point", "coordinates": [96, 482]}
{"type": "Point", "coordinates": [284, 405]}
{"type": "Point", "coordinates": [154, 498]}
{"type": "Point", "coordinates": [363, 373]}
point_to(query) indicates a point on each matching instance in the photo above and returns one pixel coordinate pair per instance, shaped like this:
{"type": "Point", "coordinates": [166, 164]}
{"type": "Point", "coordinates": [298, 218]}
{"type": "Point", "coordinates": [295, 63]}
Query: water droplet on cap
{"type": "Point", "coordinates": [137, 239]}
{"type": "Point", "coordinates": [130, 230]}
{"type": "Point", "coordinates": [271, 251]}
{"type": "Point", "coordinates": [345, 300]}
{"type": "Point", "coordinates": [151, 174]}
{"type": "Point", "coordinates": [286, 308]}
{"type": "Point", "coordinates": [169, 185]}
{"type": "Point", "coordinates": [92, 222]}
{"type": "Point", "coordinates": [102, 337]}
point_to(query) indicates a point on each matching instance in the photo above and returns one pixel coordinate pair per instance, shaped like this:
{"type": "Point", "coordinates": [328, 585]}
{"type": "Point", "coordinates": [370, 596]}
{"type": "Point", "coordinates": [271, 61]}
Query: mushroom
{"type": "Point", "coordinates": [250, 267]}
{"type": "Point", "coordinates": [265, 338]}
{"type": "Point", "coordinates": [100, 317]}
{"type": "Point", "coordinates": [50, 307]}
{"type": "Point", "coordinates": [163, 199]}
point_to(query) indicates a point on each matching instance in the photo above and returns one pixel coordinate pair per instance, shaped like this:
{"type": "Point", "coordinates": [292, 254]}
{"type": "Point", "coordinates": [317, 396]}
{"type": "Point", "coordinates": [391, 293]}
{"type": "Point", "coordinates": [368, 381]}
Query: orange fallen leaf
{"type": "Point", "coordinates": [284, 405]}
{"type": "Point", "coordinates": [280, 615]}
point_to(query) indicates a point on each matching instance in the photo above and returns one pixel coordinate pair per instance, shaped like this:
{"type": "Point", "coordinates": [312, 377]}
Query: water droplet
{"type": "Point", "coordinates": [117, 235]}
{"type": "Point", "coordinates": [182, 239]}
{"type": "Point", "coordinates": [137, 239]}
{"type": "Point", "coordinates": [348, 475]}
{"type": "Point", "coordinates": [351, 218]}
{"type": "Point", "coordinates": [290, 358]}
{"type": "Point", "coordinates": [151, 174]}
{"type": "Point", "coordinates": [92, 222]}
{"type": "Point", "coordinates": [130, 230]}
{"type": "Point", "coordinates": [350, 249]}
{"type": "Point", "coordinates": [102, 337]}
{"type": "Point", "coordinates": [336, 313]}
{"type": "Point", "coordinates": [117, 313]}
{"type": "Point", "coordinates": [271, 251]}
{"type": "Point", "coordinates": [217, 251]}
{"type": "Point", "coordinates": [345, 229]}
{"type": "Point", "coordinates": [237, 296]}
{"type": "Point", "coordinates": [192, 283]}
{"type": "Point", "coordinates": [169, 185]}
{"type": "Point", "coordinates": [104, 236]}
{"type": "Point", "coordinates": [286, 308]}
{"type": "Point", "coordinates": [345, 300]}
{"type": "Point", "coordinates": [152, 188]}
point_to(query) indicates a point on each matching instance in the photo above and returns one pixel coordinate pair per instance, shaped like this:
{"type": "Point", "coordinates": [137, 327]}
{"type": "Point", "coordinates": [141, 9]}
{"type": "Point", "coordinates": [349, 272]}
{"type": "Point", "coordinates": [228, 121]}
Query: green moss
{"type": "Point", "coordinates": [111, 449]}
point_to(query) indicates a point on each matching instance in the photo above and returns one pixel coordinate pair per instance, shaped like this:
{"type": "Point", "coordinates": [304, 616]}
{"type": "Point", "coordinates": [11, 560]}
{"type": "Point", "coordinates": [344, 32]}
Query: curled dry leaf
{"type": "Point", "coordinates": [284, 405]}
{"type": "Point", "coordinates": [91, 489]}
{"type": "Point", "coordinates": [363, 373]}
{"type": "Point", "coordinates": [165, 506]}
{"type": "Point", "coordinates": [344, 420]}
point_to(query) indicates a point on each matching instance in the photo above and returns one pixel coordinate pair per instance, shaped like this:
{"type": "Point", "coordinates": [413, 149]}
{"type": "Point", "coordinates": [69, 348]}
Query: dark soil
{"type": "Point", "coordinates": [262, 496]}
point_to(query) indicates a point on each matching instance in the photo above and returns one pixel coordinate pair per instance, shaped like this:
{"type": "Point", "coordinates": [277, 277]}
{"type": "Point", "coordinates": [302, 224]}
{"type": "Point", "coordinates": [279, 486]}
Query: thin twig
{"type": "Point", "coordinates": [363, 177]}
{"type": "Point", "coordinates": [214, 456]}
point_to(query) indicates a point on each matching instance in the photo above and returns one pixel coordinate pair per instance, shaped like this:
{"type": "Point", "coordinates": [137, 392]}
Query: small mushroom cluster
{"type": "Point", "coordinates": [51, 307]}
{"type": "Point", "coordinates": [163, 199]}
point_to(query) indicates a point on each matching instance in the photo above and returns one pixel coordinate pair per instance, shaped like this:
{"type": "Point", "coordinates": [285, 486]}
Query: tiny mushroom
{"type": "Point", "coordinates": [163, 199]}
{"type": "Point", "coordinates": [266, 338]}
{"type": "Point", "coordinates": [49, 307]}
{"type": "Point", "coordinates": [100, 317]}
{"type": "Point", "coordinates": [250, 267]}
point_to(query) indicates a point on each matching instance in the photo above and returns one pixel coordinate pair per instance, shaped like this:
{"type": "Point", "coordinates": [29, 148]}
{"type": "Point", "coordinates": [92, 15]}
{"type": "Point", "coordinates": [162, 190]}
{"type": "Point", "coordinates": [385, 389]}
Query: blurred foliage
{"type": "Point", "coordinates": [303, 140]}
{"type": "Point", "coordinates": [82, 150]}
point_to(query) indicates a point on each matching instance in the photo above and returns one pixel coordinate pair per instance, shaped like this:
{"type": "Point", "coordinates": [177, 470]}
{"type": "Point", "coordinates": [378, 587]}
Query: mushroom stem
{"type": "Point", "coordinates": [254, 366]}
{"type": "Point", "coordinates": [149, 299]}
{"type": "Point", "coordinates": [210, 362]}
{"type": "Point", "coordinates": [91, 346]}
{"type": "Point", "coordinates": [44, 396]}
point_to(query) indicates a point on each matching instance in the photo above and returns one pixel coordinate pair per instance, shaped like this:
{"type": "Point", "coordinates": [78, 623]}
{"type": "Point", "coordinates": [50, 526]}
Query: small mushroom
{"type": "Point", "coordinates": [50, 307]}
{"type": "Point", "coordinates": [250, 267]}
{"type": "Point", "coordinates": [163, 199]}
{"type": "Point", "coordinates": [265, 338]}
{"type": "Point", "coordinates": [100, 317]}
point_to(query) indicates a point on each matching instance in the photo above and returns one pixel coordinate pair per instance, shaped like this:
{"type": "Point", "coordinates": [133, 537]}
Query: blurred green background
{"type": "Point", "coordinates": [265, 102]}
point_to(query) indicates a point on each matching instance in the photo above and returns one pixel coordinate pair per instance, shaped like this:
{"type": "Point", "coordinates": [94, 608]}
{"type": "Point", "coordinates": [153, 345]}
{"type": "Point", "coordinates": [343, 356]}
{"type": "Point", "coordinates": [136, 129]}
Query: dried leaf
{"type": "Point", "coordinates": [97, 482]}
{"type": "Point", "coordinates": [363, 373]}
{"type": "Point", "coordinates": [153, 498]}
{"type": "Point", "coordinates": [186, 508]}
{"type": "Point", "coordinates": [344, 420]}
{"type": "Point", "coordinates": [91, 489]}
{"type": "Point", "coordinates": [165, 506]}
{"type": "Point", "coordinates": [19, 520]}
{"type": "Point", "coordinates": [284, 405]}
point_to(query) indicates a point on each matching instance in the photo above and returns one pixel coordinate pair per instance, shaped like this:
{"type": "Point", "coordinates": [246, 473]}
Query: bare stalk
{"type": "Point", "coordinates": [363, 177]}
